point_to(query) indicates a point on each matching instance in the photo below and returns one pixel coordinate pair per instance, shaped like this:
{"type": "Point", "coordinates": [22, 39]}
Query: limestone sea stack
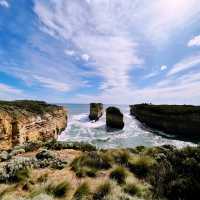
{"type": "Point", "coordinates": [23, 121]}
{"type": "Point", "coordinates": [114, 118]}
{"type": "Point", "coordinates": [96, 111]}
{"type": "Point", "coordinates": [180, 120]}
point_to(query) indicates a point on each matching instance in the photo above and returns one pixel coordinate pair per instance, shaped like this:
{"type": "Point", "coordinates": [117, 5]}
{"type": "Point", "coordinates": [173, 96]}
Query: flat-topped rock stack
{"type": "Point", "coordinates": [180, 120]}
{"type": "Point", "coordinates": [96, 111]}
{"type": "Point", "coordinates": [114, 118]}
{"type": "Point", "coordinates": [23, 121]}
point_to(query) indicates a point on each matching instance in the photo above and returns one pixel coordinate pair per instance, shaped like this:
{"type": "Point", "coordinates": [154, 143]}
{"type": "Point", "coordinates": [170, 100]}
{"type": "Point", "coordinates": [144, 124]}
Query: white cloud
{"type": "Point", "coordinates": [163, 67]}
{"type": "Point", "coordinates": [70, 52]}
{"type": "Point", "coordinates": [8, 89]}
{"type": "Point", "coordinates": [185, 64]}
{"type": "Point", "coordinates": [159, 25]}
{"type": "Point", "coordinates": [85, 57]}
{"type": "Point", "coordinates": [52, 84]}
{"type": "Point", "coordinates": [103, 36]}
{"type": "Point", "coordinates": [4, 3]}
{"type": "Point", "coordinates": [194, 41]}
{"type": "Point", "coordinates": [151, 75]}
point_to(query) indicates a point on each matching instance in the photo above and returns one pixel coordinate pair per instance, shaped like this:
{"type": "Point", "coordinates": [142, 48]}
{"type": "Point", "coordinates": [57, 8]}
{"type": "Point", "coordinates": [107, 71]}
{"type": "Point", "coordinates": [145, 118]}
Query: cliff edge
{"type": "Point", "coordinates": [23, 121]}
{"type": "Point", "coordinates": [180, 120]}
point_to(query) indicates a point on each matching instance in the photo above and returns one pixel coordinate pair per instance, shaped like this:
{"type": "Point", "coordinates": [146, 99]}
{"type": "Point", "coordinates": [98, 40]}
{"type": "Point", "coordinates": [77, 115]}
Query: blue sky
{"type": "Point", "coordinates": [112, 51]}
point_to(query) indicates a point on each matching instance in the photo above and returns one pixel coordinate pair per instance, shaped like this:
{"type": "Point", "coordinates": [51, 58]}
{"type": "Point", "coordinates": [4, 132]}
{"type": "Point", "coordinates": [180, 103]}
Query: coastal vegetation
{"type": "Point", "coordinates": [83, 173]}
{"type": "Point", "coordinates": [35, 107]}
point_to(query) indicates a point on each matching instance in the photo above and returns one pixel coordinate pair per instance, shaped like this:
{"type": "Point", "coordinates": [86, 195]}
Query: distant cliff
{"type": "Point", "coordinates": [22, 121]}
{"type": "Point", "coordinates": [181, 120]}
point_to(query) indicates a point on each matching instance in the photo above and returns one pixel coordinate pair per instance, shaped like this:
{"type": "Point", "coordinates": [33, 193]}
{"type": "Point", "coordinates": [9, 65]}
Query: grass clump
{"type": "Point", "coordinates": [43, 178]}
{"type": "Point", "coordinates": [102, 191]}
{"type": "Point", "coordinates": [141, 165]}
{"type": "Point", "coordinates": [89, 163]}
{"type": "Point", "coordinates": [58, 190]}
{"type": "Point", "coordinates": [119, 175]}
{"type": "Point", "coordinates": [21, 175]}
{"type": "Point", "coordinates": [132, 189]}
{"type": "Point", "coordinates": [82, 192]}
{"type": "Point", "coordinates": [122, 157]}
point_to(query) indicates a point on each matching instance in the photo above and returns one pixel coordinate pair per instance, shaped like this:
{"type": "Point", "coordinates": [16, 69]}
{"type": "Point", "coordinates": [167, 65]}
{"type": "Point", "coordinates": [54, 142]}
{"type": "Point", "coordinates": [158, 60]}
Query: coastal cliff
{"type": "Point", "coordinates": [180, 120]}
{"type": "Point", "coordinates": [23, 121]}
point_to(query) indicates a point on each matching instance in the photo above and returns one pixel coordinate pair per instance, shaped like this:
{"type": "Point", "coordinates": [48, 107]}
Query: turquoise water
{"type": "Point", "coordinates": [134, 133]}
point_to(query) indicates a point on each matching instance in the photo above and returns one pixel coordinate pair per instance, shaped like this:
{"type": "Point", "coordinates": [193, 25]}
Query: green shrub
{"type": "Point", "coordinates": [177, 176]}
{"type": "Point", "coordinates": [102, 191]}
{"type": "Point", "coordinates": [32, 146]}
{"type": "Point", "coordinates": [141, 165]}
{"type": "Point", "coordinates": [119, 174]}
{"type": "Point", "coordinates": [82, 192]}
{"type": "Point", "coordinates": [43, 178]}
{"type": "Point", "coordinates": [58, 145]}
{"type": "Point", "coordinates": [89, 163]}
{"type": "Point", "coordinates": [132, 189]}
{"type": "Point", "coordinates": [20, 175]}
{"type": "Point", "coordinates": [85, 171]}
{"type": "Point", "coordinates": [58, 190]}
{"type": "Point", "coordinates": [122, 157]}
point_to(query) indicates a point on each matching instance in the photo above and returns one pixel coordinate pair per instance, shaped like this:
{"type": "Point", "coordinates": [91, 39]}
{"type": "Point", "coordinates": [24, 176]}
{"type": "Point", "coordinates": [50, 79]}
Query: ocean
{"type": "Point", "coordinates": [134, 133]}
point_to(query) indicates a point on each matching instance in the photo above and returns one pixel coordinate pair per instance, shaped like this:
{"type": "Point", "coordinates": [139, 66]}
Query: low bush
{"type": "Point", "coordinates": [82, 192]}
{"type": "Point", "coordinates": [15, 169]}
{"type": "Point", "coordinates": [102, 191]}
{"type": "Point", "coordinates": [89, 163]}
{"type": "Point", "coordinates": [43, 178]}
{"type": "Point", "coordinates": [178, 175]}
{"type": "Point", "coordinates": [119, 175]}
{"type": "Point", "coordinates": [122, 157]}
{"type": "Point", "coordinates": [58, 190]}
{"type": "Point", "coordinates": [58, 145]}
{"type": "Point", "coordinates": [141, 165]}
{"type": "Point", "coordinates": [21, 175]}
{"type": "Point", "coordinates": [132, 189]}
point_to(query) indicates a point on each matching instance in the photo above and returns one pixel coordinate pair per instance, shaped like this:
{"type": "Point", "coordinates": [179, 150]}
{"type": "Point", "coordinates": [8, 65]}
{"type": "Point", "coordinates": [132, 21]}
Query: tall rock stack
{"type": "Point", "coordinates": [114, 118]}
{"type": "Point", "coordinates": [96, 111]}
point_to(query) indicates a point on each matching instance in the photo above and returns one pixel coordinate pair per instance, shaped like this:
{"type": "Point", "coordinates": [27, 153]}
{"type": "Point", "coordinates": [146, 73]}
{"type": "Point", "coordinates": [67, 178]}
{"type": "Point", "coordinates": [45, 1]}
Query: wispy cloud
{"type": "Point", "coordinates": [53, 84]}
{"type": "Point", "coordinates": [98, 34]}
{"type": "Point", "coordinates": [185, 64]}
{"type": "Point", "coordinates": [9, 89]}
{"type": "Point", "coordinates": [195, 41]}
{"type": "Point", "coordinates": [4, 3]}
{"type": "Point", "coordinates": [70, 52]}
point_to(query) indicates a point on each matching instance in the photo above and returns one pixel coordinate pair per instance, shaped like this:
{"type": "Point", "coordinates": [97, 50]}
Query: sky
{"type": "Point", "coordinates": [110, 51]}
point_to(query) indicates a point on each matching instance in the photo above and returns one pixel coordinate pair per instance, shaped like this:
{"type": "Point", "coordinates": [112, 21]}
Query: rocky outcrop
{"type": "Point", "coordinates": [96, 111]}
{"type": "Point", "coordinates": [23, 121]}
{"type": "Point", "coordinates": [114, 118]}
{"type": "Point", "coordinates": [180, 120]}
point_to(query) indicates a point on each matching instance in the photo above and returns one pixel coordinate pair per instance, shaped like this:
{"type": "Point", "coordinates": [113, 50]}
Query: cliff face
{"type": "Point", "coordinates": [23, 121]}
{"type": "Point", "coordinates": [181, 120]}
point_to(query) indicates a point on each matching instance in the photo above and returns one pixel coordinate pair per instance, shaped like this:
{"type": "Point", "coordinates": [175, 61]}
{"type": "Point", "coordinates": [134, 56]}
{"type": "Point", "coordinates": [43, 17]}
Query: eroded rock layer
{"type": "Point", "coordinates": [23, 121]}
{"type": "Point", "coordinates": [96, 111]}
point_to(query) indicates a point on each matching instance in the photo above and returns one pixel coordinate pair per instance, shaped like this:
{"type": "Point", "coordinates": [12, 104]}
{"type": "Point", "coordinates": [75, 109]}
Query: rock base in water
{"type": "Point", "coordinates": [96, 111]}
{"type": "Point", "coordinates": [114, 118]}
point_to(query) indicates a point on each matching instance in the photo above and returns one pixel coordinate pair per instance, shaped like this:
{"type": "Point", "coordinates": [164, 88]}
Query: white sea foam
{"type": "Point", "coordinates": [134, 134]}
